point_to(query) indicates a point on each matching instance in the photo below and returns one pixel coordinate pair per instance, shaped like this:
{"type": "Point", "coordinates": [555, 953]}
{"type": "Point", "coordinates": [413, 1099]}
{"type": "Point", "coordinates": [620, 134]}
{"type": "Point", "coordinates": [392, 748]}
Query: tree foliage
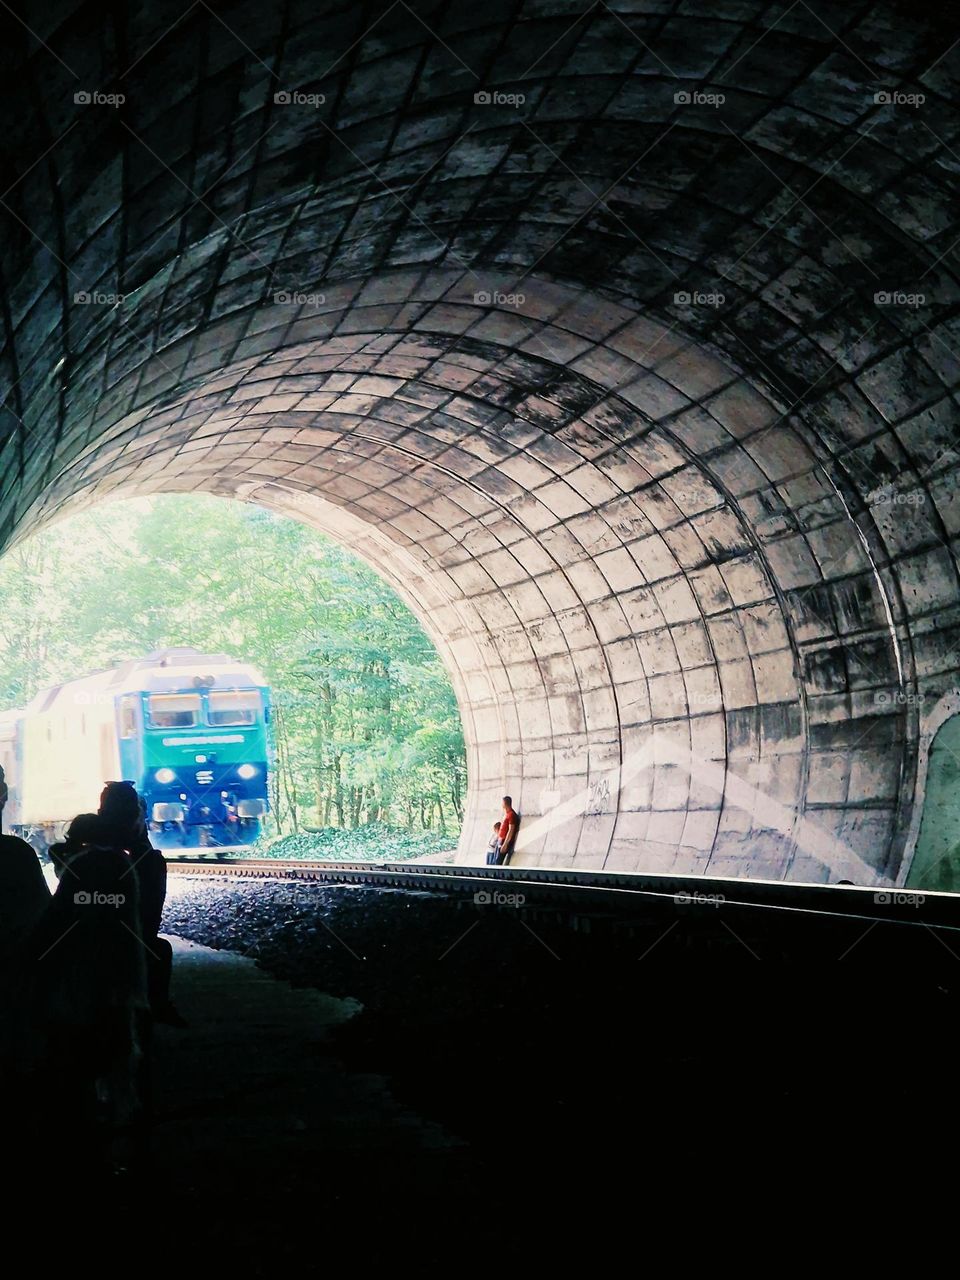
{"type": "Point", "coordinates": [366, 724]}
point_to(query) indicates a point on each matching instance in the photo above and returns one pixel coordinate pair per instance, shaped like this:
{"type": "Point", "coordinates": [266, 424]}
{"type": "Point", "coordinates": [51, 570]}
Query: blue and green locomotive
{"type": "Point", "coordinates": [190, 730]}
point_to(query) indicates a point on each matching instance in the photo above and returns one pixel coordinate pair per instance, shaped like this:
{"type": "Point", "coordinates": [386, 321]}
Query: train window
{"type": "Point", "coordinates": [128, 717]}
{"type": "Point", "coordinates": [174, 710]}
{"type": "Point", "coordinates": [238, 706]}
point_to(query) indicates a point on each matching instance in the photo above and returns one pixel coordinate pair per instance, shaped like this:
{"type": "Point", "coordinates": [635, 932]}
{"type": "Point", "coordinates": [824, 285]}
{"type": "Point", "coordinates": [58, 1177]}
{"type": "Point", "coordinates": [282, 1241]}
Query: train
{"type": "Point", "coordinates": [190, 730]}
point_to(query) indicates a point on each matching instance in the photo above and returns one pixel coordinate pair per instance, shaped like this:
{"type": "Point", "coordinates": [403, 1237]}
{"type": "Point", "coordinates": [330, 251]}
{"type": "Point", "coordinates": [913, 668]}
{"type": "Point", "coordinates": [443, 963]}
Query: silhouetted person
{"type": "Point", "coordinates": [122, 811]}
{"type": "Point", "coordinates": [86, 945]}
{"type": "Point", "coordinates": [508, 831]}
{"type": "Point", "coordinates": [84, 993]}
{"type": "Point", "coordinates": [84, 830]}
{"type": "Point", "coordinates": [23, 898]}
{"type": "Point", "coordinates": [23, 889]}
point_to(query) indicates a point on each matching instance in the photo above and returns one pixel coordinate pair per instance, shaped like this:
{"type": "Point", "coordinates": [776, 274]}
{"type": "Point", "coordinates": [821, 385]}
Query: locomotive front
{"type": "Point", "coordinates": [198, 746]}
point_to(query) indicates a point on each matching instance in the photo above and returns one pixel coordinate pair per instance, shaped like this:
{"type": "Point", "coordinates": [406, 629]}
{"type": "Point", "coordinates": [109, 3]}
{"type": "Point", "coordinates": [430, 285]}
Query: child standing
{"type": "Point", "coordinates": [493, 848]}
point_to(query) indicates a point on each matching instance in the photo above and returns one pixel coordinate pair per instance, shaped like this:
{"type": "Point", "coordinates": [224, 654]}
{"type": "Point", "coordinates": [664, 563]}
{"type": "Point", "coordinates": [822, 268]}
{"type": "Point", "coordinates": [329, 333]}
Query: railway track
{"type": "Point", "coordinates": [604, 891]}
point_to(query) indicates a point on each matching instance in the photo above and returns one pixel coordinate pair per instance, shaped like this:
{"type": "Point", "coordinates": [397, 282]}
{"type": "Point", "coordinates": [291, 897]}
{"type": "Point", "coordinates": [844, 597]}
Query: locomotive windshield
{"type": "Point", "coordinates": [236, 706]}
{"type": "Point", "coordinates": [174, 710]}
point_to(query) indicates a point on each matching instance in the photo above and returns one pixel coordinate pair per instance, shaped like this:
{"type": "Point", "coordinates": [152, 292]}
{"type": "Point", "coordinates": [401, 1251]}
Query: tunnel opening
{"type": "Point", "coordinates": [263, 687]}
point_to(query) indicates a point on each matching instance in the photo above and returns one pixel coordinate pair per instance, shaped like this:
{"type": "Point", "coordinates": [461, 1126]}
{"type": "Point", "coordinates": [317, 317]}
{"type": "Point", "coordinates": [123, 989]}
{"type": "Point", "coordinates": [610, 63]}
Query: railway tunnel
{"type": "Point", "coordinates": [620, 338]}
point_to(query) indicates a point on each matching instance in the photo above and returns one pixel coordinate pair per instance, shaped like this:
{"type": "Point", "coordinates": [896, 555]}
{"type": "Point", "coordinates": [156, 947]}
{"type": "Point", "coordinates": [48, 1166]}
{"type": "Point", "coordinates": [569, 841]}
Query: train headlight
{"type": "Point", "coordinates": [247, 771]}
{"type": "Point", "coordinates": [165, 776]}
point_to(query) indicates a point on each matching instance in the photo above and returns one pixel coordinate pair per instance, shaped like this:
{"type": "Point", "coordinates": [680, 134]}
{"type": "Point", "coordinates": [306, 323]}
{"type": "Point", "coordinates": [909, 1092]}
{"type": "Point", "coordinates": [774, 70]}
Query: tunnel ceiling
{"type": "Point", "coordinates": [622, 338]}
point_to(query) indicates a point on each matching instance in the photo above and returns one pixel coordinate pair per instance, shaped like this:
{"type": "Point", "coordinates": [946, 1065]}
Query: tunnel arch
{"type": "Point", "coordinates": [667, 547]}
{"type": "Point", "coordinates": [460, 453]}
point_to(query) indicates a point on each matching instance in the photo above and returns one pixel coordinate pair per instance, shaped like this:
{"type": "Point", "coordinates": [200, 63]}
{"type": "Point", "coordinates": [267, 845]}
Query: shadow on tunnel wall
{"type": "Point", "coordinates": [936, 860]}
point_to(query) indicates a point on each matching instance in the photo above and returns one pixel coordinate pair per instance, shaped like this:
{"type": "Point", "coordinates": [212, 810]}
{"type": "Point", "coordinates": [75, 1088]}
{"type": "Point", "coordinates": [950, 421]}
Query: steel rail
{"type": "Point", "coordinates": [545, 885]}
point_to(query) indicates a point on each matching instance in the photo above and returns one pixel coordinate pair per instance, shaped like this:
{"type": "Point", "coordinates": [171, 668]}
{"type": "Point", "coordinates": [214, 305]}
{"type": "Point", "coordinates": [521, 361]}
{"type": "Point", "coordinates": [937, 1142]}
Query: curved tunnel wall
{"type": "Point", "coordinates": [597, 387]}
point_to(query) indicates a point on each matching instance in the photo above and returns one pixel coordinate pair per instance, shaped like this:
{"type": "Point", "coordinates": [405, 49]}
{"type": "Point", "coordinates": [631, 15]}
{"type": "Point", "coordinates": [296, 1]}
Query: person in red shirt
{"type": "Point", "coordinates": [508, 831]}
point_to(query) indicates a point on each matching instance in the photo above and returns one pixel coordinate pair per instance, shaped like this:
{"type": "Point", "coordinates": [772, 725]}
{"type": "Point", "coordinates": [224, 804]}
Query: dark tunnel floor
{"type": "Point", "coordinates": [505, 1068]}
{"type": "Point", "coordinates": [677, 1043]}
{"type": "Point", "coordinates": [256, 1111]}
